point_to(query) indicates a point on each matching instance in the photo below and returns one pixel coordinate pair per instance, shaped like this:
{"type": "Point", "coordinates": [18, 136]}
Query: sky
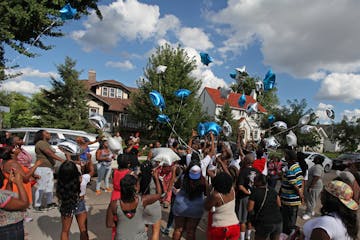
{"type": "Point", "coordinates": [312, 46]}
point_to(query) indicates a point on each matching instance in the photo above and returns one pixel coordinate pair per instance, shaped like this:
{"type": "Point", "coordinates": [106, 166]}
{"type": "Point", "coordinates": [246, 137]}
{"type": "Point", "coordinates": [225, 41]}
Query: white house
{"type": "Point", "coordinates": [212, 103]}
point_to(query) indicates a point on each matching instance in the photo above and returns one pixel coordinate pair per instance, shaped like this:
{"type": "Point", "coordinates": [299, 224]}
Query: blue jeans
{"type": "Point", "coordinates": [102, 171]}
{"type": "Point", "coordinates": [13, 231]}
{"type": "Point", "coordinates": [289, 215]}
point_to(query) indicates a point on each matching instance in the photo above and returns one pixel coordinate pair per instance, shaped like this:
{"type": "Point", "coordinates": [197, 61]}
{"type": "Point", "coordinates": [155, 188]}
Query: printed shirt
{"type": "Point", "coordinates": [9, 217]}
{"type": "Point", "coordinates": [292, 177]}
{"type": "Point", "coordinates": [274, 168]}
{"type": "Point", "coordinates": [24, 158]}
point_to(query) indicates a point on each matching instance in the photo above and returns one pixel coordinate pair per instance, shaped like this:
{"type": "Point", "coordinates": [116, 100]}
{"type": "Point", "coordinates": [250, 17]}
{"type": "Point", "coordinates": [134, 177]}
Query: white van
{"type": "Point", "coordinates": [57, 135]}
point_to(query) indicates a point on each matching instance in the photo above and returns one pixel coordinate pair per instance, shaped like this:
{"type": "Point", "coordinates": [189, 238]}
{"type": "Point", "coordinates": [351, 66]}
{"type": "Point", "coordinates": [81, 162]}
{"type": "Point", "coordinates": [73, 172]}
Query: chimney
{"type": "Point", "coordinates": [92, 76]}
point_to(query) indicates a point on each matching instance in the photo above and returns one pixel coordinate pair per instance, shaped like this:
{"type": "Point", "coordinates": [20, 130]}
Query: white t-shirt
{"type": "Point", "coordinates": [120, 140]}
{"type": "Point", "coordinates": [204, 164]}
{"type": "Point", "coordinates": [332, 225]}
{"type": "Point", "coordinates": [85, 179]}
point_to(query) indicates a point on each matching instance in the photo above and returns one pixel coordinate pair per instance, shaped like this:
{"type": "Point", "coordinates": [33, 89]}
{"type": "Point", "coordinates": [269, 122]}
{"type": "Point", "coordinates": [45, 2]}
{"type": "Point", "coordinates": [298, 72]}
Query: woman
{"type": "Point", "coordinates": [339, 218]}
{"type": "Point", "coordinates": [70, 191]}
{"type": "Point", "coordinates": [274, 170]}
{"type": "Point", "coordinates": [189, 201]}
{"type": "Point", "coordinates": [12, 207]}
{"type": "Point", "coordinates": [129, 209]}
{"type": "Point", "coordinates": [225, 224]}
{"type": "Point", "coordinates": [87, 166]}
{"type": "Point", "coordinates": [104, 157]}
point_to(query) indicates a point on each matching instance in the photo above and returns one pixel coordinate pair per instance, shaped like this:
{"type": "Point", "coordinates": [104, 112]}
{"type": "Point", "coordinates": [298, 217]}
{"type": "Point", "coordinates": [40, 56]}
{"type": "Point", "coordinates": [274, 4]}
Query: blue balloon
{"type": "Point", "coordinates": [242, 100]}
{"type": "Point", "coordinates": [201, 129]}
{"type": "Point", "coordinates": [271, 118]}
{"type": "Point", "coordinates": [269, 80]}
{"type": "Point", "coordinates": [233, 75]}
{"type": "Point", "coordinates": [157, 99]}
{"type": "Point", "coordinates": [67, 12]}
{"type": "Point", "coordinates": [212, 127]}
{"type": "Point", "coordinates": [205, 58]}
{"type": "Point", "coordinates": [182, 93]}
{"type": "Point", "coordinates": [163, 118]}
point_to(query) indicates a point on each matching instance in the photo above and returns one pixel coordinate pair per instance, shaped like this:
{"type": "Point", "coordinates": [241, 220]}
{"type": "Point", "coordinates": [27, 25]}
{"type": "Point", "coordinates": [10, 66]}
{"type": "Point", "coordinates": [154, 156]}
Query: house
{"type": "Point", "coordinates": [212, 103]}
{"type": "Point", "coordinates": [110, 99]}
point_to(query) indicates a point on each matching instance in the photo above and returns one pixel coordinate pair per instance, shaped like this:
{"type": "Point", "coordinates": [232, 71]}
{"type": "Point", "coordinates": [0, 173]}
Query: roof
{"type": "Point", "coordinates": [115, 104]}
{"type": "Point", "coordinates": [232, 99]}
{"type": "Point", "coordinates": [89, 84]}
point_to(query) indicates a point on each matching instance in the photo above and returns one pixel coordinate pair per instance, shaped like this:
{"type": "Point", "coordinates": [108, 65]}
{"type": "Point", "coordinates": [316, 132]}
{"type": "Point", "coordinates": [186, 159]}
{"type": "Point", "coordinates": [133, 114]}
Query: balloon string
{"type": "Point", "coordinates": [284, 131]}
{"type": "Point", "coordinates": [177, 115]}
{"type": "Point", "coordinates": [36, 39]}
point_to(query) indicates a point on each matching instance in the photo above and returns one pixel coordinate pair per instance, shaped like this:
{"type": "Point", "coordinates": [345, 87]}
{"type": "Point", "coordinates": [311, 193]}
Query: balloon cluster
{"type": "Point", "coordinates": [207, 127]}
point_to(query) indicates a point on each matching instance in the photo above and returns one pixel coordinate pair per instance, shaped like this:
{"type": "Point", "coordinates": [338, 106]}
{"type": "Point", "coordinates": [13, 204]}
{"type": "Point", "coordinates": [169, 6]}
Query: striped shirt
{"type": "Point", "coordinates": [292, 177]}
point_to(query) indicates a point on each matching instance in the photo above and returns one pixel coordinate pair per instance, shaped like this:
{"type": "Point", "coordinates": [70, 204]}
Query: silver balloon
{"type": "Point", "coordinates": [259, 86]}
{"type": "Point", "coordinates": [252, 108]}
{"type": "Point", "coordinates": [306, 129]}
{"type": "Point", "coordinates": [98, 121]}
{"type": "Point", "coordinates": [240, 72]}
{"type": "Point", "coordinates": [291, 139]}
{"type": "Point", "coordinates": [280, 125]}
{"type": "Point", "coordinates": [161, 69]}
{"type": "Point", "coordinates": [330, 113]}
{"type": "Point", "coordinates": [224, 92]}
{"type": "Point", "coordinates": [114, 144]}
{"type": "Point", "coordinates": [71, 147]}
{"type": "Point", "coordinates": [271, 142]}
{"type": "Point", "coordinates": [304, 119]}
{"type": "Point", "coordinates": [227, 129]}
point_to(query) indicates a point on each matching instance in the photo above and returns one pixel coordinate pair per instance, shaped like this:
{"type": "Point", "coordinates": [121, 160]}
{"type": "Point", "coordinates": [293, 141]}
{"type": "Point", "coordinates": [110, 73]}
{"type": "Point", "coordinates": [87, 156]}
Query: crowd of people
{"type": "Point", "coordinates": [244, 190]}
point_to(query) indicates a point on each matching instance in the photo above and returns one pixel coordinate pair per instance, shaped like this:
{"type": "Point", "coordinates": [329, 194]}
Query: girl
{"type": "Point", "coordinates": [104, 157]}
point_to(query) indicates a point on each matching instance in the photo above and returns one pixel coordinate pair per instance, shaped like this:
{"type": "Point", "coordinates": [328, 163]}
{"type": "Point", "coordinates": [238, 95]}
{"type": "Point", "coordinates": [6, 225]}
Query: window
{"type": "Point", "coordinates": [93, 111]}
{"type": "Point", "coordinates": [112, 92]}
{"type": "Point", "coordinates": [104, 91]}
{"type": "Point", "coordinates": [54, 138]}
{"type": "Point", "coordinates": [119, 93]}
{"type": "Point", "coordinates": [74, 137]}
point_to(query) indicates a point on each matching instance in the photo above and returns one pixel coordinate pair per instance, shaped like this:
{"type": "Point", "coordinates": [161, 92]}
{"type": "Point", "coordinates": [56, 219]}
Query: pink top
{"type": "Point", "coordinates": [118, 175]}
{"type": "Point", "coordinates": [24, 158]}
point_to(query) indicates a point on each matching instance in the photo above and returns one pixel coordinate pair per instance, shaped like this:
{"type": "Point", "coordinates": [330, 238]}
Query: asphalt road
{"type": "Point", "coordinates": [47, 225]}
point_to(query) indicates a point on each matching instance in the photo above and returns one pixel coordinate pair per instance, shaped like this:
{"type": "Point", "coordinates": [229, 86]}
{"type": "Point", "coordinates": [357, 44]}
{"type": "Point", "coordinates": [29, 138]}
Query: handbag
{"type": "Point", "coordinates": [254, 217]}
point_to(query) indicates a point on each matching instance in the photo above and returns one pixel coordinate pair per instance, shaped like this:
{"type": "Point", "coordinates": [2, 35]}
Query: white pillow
{"type": "Point", "coordinates": [165, 156]}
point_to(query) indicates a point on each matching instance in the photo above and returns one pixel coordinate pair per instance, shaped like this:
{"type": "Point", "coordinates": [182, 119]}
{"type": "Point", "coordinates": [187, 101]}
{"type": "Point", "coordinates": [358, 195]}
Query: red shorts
{"type": "Point", "coordinates": [225, 233]}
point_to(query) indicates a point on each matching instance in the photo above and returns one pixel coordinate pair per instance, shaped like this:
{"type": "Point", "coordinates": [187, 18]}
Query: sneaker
{"type": "Point", "coordinates": [108, 190]}
{"type": "Point", "coordinates": [313, 213]}
{"type": "Point", "coordinates": [306, 217]}
{"type": "Point", "coordinates": [40, 209]}
{"type": "Point", "coordinates": [98, 192]}
{"type": "Point", "coordinates": [51, 206]}
{"type": "Point", "coordinates": [165, 205]}
{"type": "Point", "coordinates": [27, 219]}
{"type": "Point", "coordinates": [165, 230]}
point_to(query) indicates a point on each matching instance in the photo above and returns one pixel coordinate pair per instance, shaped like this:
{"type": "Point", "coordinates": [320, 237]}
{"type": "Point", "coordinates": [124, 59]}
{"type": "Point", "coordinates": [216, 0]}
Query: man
{"type": "Point", "coordinates": [46, 154]}
{"type": "Point", "coordinates": [245, 186]}
{"type": "Point", "coordinates": [314, 186]}
{"type": "Point", "coordinates": [291, 191]}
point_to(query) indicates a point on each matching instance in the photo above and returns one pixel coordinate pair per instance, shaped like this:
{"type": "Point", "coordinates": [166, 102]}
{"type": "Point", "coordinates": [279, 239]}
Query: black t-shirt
{"type": "Point", "coordinates": [132, 157]}
{"type": "Point", "coordinates": [270, 212]}
{"type": "Point", "coordinates": [246, 178]}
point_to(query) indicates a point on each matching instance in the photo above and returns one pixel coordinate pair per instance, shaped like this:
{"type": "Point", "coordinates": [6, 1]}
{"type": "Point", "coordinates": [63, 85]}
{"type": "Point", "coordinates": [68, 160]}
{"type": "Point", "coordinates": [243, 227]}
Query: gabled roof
{"type": "Point", "coordinates": [114, 104]}
{"type": "Point", "coordinates": [89, 84]}
{"type": "Point", "coordinates": [232, 99]}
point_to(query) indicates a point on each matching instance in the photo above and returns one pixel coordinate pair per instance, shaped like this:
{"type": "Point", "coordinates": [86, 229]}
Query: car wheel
{"type": "Point", "coordinates": [327, 168]}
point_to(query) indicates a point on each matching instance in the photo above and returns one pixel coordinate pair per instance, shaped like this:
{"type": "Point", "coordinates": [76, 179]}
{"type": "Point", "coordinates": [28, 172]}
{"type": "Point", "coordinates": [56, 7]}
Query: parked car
{"type": "Point", "coordinates": [57, 135]}
{"type": "Point", "coordinates": [327, 164]}
{"type": "Point", "coordinates": [344, 160]}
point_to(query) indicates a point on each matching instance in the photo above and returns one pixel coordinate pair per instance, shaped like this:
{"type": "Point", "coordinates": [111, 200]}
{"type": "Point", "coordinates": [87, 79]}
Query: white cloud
{"type": "Point", "coordinates": [194, 38]}
{"type": "Point", "coordinates": [351, 115]}
{"type": "Point", "coordinates": [127, 20]}
{"type": "Point", "coordinates": [30, 72]}
{"type": "Point", "coordinates": [21, 86]}
{"type": "Point", "coordinates": [341, 87]}
{"type": "Point", "coordinates": [126, 65]}
{"type": "Point", "coordinates": [321, 111]}
{"type": "Point", "coordinates": [297, 37]}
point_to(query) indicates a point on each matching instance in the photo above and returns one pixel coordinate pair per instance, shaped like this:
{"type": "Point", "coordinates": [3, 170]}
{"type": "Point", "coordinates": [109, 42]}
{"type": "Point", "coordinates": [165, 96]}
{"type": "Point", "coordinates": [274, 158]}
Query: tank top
{"type": "Point", "coordinates": [225, 215]}
{"type": "Point", "coordinates": [108, 155]}
{"type": "Point", "coordinates": [131, 228]}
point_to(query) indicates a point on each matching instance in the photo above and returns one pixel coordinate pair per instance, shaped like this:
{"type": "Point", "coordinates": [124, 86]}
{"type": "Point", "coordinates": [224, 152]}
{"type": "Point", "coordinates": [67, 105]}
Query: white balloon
{"type": "Point", "coordinates": [280, 125]}
{"type": "Point", "coordinates": [252, 108]}
{"type": "Point", "coordinates": [98, 121]}
{"type": "Point", "coordinates": [71, 147]}
{"type": "Point", "coordinates": [114, 145]}
{"type": "Point", "coordinates": [291, 139]}
{"type": "Point", "coordinates": [259, 86]}
{"type": "Point", "coordinates": [161, 69]}
{"type": "Point", "coordinates": [227, 129]}
{"type": "Point", "coordinates": [240, 72]}
{"type": "Point", "coordinates": [165, 156]}
{"type": "Point", "coordinates": [271, 142]}
{"type": "Point", "coordinates": [304, 119]}
{"type": "Point", "coordinates": [306, 129]}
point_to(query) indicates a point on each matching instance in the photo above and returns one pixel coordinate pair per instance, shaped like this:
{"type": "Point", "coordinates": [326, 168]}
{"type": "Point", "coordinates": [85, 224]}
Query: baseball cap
{"type": "Point", "coordinates": [343, 192]}
{"type": "Point", "coordinates": [195, 172]}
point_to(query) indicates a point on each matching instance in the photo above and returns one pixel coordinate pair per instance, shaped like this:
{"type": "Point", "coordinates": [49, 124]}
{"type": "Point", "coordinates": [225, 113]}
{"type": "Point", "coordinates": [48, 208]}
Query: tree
{"type": "Point", "coordinates": [184, 115]}
{"type": "Point", "coordinates": [63, 106]}
{"type": "Point", "coordinates": [225, 114]}
{"type": "Point", "coordinates": [20, 114]}
{"type": "Point", "coordinates": [290, 114]}
{"type": "Point", "coordinates": [22, 22]}
{"type": "Point", "coordinates": [347, 133]}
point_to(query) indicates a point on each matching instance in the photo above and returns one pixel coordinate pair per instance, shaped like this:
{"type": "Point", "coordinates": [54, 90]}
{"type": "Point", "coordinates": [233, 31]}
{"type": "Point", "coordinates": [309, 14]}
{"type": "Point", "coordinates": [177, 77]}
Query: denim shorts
{"type": "Point", "coordinates": [80, 208]}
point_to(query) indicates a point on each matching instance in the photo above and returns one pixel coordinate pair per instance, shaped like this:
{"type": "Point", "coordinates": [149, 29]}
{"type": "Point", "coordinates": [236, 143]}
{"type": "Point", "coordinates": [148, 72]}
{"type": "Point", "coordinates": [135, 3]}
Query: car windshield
{"type": "Point", "coordinates": [346, 156]}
